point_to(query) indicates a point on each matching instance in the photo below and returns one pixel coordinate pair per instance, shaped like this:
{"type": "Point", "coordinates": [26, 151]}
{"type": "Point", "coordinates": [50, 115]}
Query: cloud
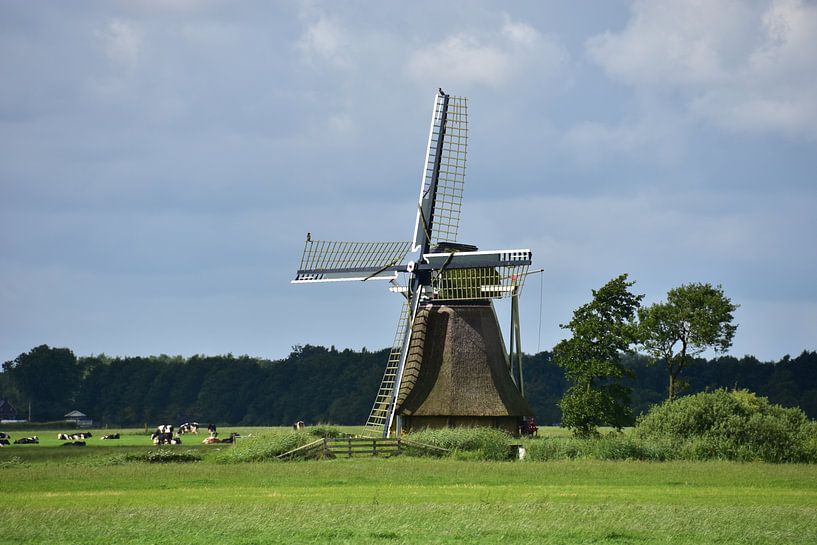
{"type": "Point", "coordinates": [324, 39]}
{"type": "Point", "coordinates": [654, 139]}
{"type": "Point", "coordinates": [739, 66]}
{"type": "Point", "coordinates": [493, 58]}
{"type": "Point", "coordinates": [122, 42]}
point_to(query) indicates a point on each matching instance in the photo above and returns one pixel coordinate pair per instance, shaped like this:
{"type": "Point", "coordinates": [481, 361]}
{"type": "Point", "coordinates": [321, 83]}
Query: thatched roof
{"type": "Point", "coordinates": [457, 365]}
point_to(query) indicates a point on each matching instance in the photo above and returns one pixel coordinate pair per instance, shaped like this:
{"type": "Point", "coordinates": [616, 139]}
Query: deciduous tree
{"type": "Point", "coordinates": [695, 318]}
{"type": "Point", "coordinates": [602, 331]}
{"type": "Point", "coordinates": [48, 378]}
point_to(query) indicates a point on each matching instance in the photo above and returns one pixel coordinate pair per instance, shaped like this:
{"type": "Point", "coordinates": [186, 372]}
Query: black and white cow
{"type": "Point", "coordinates": [27, 441]}
{"type": "Point", "coordinates": [4, 442]}
{"type": "Point", "coordinates": [299, 425]}
{"type": "Point", "coordinates": [74, 436]}
{"type": "Point", "coordinates": [189, 427]}
{"type": "Point", "coordinates": [110, 436]}
{"type": "Point", "coordinates": [4, 435]}
{"type": "Point", "coordinates": [165, 439]}
{"type": "Point", "coordinates": [164, 428]}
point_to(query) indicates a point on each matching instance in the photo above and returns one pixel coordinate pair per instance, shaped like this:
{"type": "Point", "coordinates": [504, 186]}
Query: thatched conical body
{"type": "Point", "coordinates": [456, 372]}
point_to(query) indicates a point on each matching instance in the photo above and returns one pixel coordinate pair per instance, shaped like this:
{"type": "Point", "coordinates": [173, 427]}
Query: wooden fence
{"type": "Point", "coordinates": [333, 447]}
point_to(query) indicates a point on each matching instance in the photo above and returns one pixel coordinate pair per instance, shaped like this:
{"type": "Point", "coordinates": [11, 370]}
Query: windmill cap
{"type": "Point", "coordinates": [448, 247]}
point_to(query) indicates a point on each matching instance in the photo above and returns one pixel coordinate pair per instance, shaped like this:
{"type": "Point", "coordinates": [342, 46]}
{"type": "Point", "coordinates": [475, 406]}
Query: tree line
{"type": "Point", "coordinates": [318, 384]}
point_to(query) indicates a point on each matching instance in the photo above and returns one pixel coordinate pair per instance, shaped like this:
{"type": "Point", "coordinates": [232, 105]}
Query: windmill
{"type": "Point", "coordinates": [448, 364]}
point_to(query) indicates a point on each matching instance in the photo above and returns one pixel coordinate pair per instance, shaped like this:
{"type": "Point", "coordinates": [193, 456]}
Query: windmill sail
{"type": "Point", "coordinates": [438, 213]}
{"type": "Point", "coordinates": [333, 261]}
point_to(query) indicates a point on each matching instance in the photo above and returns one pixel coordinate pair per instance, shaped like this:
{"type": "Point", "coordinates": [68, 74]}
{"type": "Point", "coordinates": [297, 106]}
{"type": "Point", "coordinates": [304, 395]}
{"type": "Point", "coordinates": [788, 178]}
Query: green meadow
{"type": "Point", "coordinates": [91, 495]}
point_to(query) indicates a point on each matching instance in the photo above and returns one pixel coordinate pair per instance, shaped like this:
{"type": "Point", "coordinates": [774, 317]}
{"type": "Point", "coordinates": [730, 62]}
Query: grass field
{"type": "Point", "coordinates": [52, 494]}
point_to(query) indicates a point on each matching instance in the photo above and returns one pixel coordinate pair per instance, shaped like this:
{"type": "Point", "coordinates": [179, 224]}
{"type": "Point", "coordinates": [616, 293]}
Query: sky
{"type": "Point", "coordinates": [161, 162]}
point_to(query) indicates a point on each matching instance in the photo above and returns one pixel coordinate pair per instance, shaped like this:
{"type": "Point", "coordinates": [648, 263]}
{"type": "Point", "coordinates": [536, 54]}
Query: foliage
{"type": "Point", "coordinates": [326, 385]}
{"type": "Point", "coordinates": [325, 430]}
{"type": "Point", "coordinates": [164, 455]}
{"type": "Point", "coordinates": [48, 378]}
{"type": "Point", "coordinates": [733, 425]}
{"type": "Point", "coordinates": [263, 447]}
{"type": "Point", "coordinates": [470, 443]}
{"type": "Point", "coordinates": [695, 318]}
{"type": "Point", "coordinates": [601, 331]}
{"type": "Point", "coordinates": [614, 446]}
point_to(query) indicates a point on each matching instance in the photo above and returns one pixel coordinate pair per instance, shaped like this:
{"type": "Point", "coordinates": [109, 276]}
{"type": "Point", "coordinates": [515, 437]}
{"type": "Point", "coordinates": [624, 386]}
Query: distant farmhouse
{"type": "Point", "coordinates": [80, 419]}
{"type": "Point", "coordinates": [7, 411]}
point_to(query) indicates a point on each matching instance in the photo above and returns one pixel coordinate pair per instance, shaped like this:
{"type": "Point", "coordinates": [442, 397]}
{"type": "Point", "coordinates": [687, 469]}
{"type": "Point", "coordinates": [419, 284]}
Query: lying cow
{"type": "Point", "coordinates": [4, 435]}
{"type": "Point", "coordinates": [74, 436]}
{"type": "Point", "coordinates": [111, 436]}
{"type": "Point", "coordinates": [4, 442]}
{"type": "Point", "coordinates": [165, 439]}
{"type": "Point", "coordinates": [232, 438]}
{"type": "Point", "coordinates": [214, 440]}
{"type": "Point", "coordinates": [187, 427]}
{"type": "Point", "coordinates": [27, 441]}
{"type": "Point", "coordinates": [74, 444]}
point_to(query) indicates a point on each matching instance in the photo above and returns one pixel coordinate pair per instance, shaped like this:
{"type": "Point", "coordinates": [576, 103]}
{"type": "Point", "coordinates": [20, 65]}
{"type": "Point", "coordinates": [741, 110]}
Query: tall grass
{"type": "Point", "coordinates": [262, 447]}
{"type": "Point", "coordinates": [465, 443]}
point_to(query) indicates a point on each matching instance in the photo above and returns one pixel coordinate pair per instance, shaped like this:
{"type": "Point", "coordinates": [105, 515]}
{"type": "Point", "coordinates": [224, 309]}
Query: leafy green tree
{"type": "Point", "coordinates": [695, 318]}
{"type": "Point", "coordinates": [47, 377]}
{"type": "Point", "coordinates": [603, 330]}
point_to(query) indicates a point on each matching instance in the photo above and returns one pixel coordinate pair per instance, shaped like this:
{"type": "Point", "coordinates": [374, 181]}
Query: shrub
{"type": "Point", "coordinates": [324, 430]}
{"type": "Point", "coordinates": [262, 447]}
{"type": "Point", "coordinates": [164, 456]}
{"type": "Point", "coordinates": [615, 446]}
{"type": "Point", "coordinates": [468, 443]}
{"type": "Point", "coordinates": [731, 425]}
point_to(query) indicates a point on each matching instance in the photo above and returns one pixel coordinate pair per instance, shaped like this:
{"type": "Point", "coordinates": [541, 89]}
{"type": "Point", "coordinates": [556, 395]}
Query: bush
{"type": "Point", "coordinates": [262, 447]}
{"type": "Point", "coordinates": [324, 430]}
{"type": "Point", "coordinates": [164, 456]}
{"type": "Point", "coordinates": [466, 443]}
{"type": "Point", "coordinates": [730, 425]}
{"type": "Point", "coordinates": [615, 446]}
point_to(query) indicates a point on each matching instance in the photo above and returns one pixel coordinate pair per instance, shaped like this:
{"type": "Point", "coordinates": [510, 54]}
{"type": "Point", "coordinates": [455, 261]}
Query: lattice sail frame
{"type": "Point", "coordinates": [330, 260]}
{"type": "Point", "coordinates": [479, 283]}
{"type": "Point", "coordinates": [446, 162]}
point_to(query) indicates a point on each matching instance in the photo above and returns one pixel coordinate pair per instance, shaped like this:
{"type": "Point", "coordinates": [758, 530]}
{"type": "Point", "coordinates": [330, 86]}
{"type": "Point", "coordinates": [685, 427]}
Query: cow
{"type": "Point", "coordinates": [165, 439]}
{"type": "Point", "coordinates": [299, 425]}
{"type": "Point", "coordinates": [214, 440]}
{"type": "Point", "coordinates": [187, 427]}
{"type": "Point", "coordinates": [232, 438]}
{"type": "Point", "coordinates": [4, 442]}
{"type": "Point", "coordinates": [110, 436]}
{"type": "Point", "coordinates": [27, 441]}
{"type": "Point", "coordinates": [74, 436]}
{"type": "Point", "coordinates": [4, 435]}
{"type": "Point", "coordinates": [74, 444]}
{"type": "Point", "coordinates": [164, 428]}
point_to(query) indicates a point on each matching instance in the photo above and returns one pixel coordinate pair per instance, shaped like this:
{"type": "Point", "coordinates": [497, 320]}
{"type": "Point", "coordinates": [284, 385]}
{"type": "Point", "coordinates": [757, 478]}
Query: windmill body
{"type": "Point", "coordinates": [448, 365]}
